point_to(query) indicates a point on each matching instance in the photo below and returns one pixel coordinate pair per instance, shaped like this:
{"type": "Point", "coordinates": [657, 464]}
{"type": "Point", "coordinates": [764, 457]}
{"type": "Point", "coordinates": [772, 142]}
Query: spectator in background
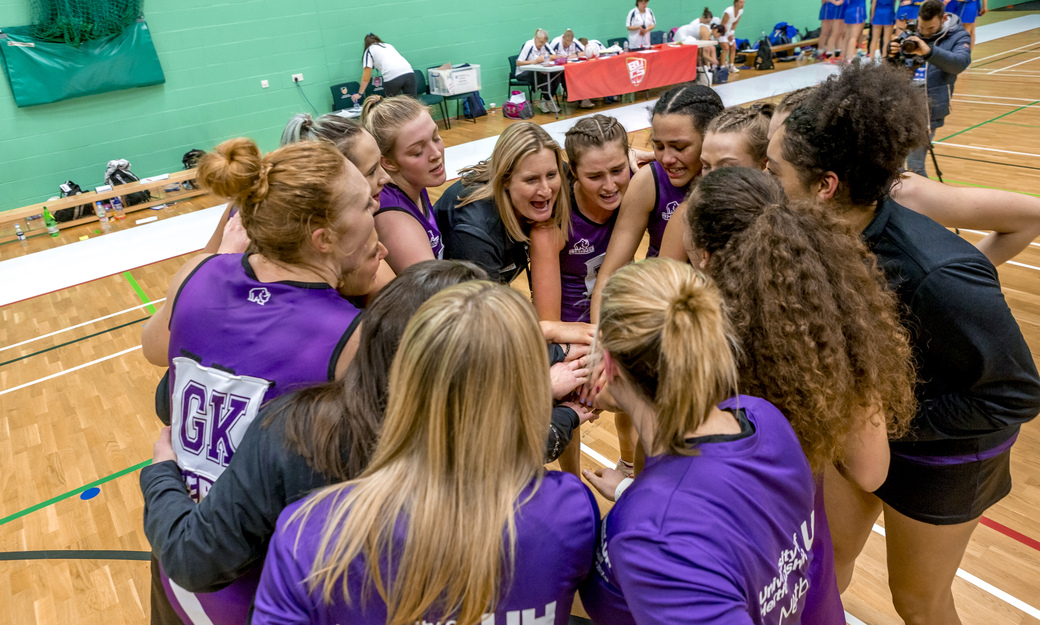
{"type": "Point", "coordinates": [730, 19]}
{"type": "Point", "coordinates": [534, 52]}
{"type": "Point", "coordinates": [881, 26]}
{"type": "Point", "coordinates": [639, 23]}
{"type": "Point", "coordinates": [566, 46]}
{"type": "Point", "coordinates": [968, 11]}
{"type": "Point", "coordinates": [946, 49]}
{"type": "Point", "coordinates": [832, 27]}
{"type": "Point", "coordinates": [855, 18]}
{"type": "Point", "coordinates": [397, 73]}
{"type": "Point", "coordinates": [704, 28]}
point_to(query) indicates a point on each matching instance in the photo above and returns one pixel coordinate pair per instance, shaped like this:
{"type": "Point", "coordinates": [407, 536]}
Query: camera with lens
{"type": "Point", "coordinates": [905, 57]}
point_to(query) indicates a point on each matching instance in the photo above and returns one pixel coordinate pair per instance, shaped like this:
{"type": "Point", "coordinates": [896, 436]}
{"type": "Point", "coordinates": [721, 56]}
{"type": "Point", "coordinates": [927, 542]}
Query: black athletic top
{"type": "Point", "coordinates": [978, 382]}
{"type": "Point", "coordinates": [475, 232]}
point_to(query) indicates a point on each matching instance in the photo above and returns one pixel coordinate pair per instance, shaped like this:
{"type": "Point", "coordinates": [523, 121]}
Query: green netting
{"type": "Point", "coordinates": [76, 21]}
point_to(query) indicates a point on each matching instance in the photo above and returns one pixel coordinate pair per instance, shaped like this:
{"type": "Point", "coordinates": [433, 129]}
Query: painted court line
{"type": "Point", "coordinates": [976, 147]}
{"type": "Point", "coordinates": [957, 101]}
{"type": "Point", "coordinates": [76, 368]}
{"type": "Point", "coordinates": [598, 457]}
{"type": "Point", "coordinates": [80, 325]}
{"type": "Point", "coordinates": [1017, 264]}
{"type": "Point", "coordinates": [1002, 53]}
{"type": "Point", "coordinates": [995, 97]}
{"type": "Point", "coordinates": [1015, 65]}
{"type": "Point", "coordinates": [983, 232]}
{"type": "Point", "coordinates": [852, 620]}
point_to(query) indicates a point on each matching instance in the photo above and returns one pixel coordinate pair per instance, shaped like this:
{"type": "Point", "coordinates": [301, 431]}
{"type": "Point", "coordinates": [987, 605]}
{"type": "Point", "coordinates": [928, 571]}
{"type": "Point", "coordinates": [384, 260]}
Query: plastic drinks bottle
{"type": "Point", "coordinates": [18, 232]}
{"type": "Point", "coordinates": [50, 222]}
{"type": "Point", "coordinates": [117, 206]}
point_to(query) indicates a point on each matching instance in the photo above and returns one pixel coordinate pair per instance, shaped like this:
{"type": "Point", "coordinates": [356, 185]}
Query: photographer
{"type": "Point", "coordinates": [945, 48]}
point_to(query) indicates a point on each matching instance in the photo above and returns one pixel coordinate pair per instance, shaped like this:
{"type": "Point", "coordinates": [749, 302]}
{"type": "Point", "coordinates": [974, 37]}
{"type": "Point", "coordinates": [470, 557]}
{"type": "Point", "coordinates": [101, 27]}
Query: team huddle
{"type": "Point", "coordinates": [361, 407]}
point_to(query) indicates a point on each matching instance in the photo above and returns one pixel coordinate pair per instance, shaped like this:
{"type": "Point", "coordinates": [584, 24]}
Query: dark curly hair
{"type": "Point", "coordinates": [818, 326]}
{"type": "Point", "coordinates": [860, 125]}
{"type": "Point", "coordinates": [701, 104]}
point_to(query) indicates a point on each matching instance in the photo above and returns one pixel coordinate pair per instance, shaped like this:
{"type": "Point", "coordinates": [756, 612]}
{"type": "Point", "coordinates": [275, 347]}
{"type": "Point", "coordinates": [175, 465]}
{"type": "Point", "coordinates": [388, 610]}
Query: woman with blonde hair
{"type": "Point", "coordinates": [454, 518]}
{"type": "Point", "coordinates": [413, 156]}
{"type": "Point", "coordinates": [719, 526]}
{"type": "Point", "coordinates": [238, 330]}
{"type": "Point", "coordinates": [738, 137]}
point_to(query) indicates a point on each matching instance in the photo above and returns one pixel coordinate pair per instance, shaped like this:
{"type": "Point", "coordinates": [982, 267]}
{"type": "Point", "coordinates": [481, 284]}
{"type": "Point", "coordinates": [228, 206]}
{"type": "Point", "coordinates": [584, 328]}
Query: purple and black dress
{"type": "Point", "coordinates": [392, 198]}
{"type": "Point", "coordinates": [580, 260]}
{"type": "Point", "coordinates": [667, 199]}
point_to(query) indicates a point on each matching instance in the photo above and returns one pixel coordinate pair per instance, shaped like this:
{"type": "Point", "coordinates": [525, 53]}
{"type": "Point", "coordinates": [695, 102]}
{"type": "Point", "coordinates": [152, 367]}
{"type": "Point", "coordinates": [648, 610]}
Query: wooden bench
{"type": "Point", "coordinates": [32, 213]}
{"type": "Point", "coordinates": [751, 55]}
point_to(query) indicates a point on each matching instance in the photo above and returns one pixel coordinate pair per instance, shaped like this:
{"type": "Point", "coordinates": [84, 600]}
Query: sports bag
{"type": "Point", "coordinates": [764, 58]}
{"type": "Point", "coordinates": [517, 107]}
{"type": "Point", "coordinates": [473, 106]}
{"type": "Point", "coordinates": [118, 173]}
{"type": "Point", "coordinates": [69, 188]}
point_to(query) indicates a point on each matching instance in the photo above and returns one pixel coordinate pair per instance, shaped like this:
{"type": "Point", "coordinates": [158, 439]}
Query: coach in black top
{"type": "Point", "coordinates": [978, 383]}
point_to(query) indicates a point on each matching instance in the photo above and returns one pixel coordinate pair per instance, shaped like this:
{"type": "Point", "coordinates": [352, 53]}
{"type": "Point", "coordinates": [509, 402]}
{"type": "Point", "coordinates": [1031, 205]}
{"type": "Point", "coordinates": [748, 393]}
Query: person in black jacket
{"type": "Point", "coordinates": [946, 49]}
{"type": "Point", "coordinates": [303, 441]}
{"type": "Point", "coordinates": [978, 383]}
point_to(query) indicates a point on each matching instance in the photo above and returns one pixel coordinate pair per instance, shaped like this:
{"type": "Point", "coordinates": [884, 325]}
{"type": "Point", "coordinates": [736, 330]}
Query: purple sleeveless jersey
{"type": "Point", "coordinates": [580, 260]}
{"type": "Point", "coordinates": [668, 199]}
{"type": "Point", "coordinates": [729, 535]}
{"type": "Point", "coordinates": [555, 544]}
{"type": "Point", "coordinates": [392, 198]}
{"type": "Point", "coordinates": [236, 343]}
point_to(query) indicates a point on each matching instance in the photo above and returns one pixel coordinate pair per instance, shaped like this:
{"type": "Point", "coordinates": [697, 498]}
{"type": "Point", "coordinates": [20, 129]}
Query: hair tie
{"type": "Point", "coordinates": [260, 188]}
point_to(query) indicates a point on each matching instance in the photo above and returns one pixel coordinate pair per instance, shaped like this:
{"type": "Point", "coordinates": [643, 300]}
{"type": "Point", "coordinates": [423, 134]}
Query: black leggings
{"type": "Point", "coordinates": [554, 82]}
{"type": "Point", "coordinates": [402, 84]}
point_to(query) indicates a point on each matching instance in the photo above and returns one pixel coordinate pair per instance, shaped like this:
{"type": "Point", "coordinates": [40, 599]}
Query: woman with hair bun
{"type": "Point", "coordinates": [719, 526]}
{"type": "Point", "coordinates": [237, 330]}
{"type": "Point", "coordinates": [737, 137]}
{"type": "Point", "coordinates": [413, 156]}
{"type": "Point", "coordinates": [398, 76]}
{"type": "Point", "coordinates": [455, 518]}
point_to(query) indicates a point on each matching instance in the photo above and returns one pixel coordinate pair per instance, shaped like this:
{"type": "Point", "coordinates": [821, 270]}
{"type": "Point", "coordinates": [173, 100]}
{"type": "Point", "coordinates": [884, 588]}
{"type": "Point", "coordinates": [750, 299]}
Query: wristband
{"type": "Point", "coordinates": [566, 347]}
{"type": "Point", "coordinates": [622, 487]}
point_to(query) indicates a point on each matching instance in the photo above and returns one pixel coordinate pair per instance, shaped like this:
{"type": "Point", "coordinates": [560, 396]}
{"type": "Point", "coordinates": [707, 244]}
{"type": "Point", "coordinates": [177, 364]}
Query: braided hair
{"type": "Point", "coordinates": [701, 104]}
{"type": "Point", "coordinates": [752, 121]}
{"type": "Point", "coordinates": [593, 132]}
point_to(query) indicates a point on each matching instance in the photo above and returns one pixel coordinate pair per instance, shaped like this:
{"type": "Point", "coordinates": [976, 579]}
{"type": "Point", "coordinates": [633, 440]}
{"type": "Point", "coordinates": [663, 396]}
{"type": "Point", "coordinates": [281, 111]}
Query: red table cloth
{"type": "Point", "coordinates": [634, 71]}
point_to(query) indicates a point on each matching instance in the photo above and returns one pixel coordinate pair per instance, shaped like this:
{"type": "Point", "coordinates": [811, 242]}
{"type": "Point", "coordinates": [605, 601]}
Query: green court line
{"type": "Point", "coordinates": [982, 186]}
{"type": "Point", "coordinates": [1014, 124]}
{"type": "Point", "coordinates": [987, 121]}
{"type": "Point", "coordinates": [140, 292]}
{"type": "Point", "coordinates": [89, 336]}
{"type": "Point", "coordinates": [72, 493]}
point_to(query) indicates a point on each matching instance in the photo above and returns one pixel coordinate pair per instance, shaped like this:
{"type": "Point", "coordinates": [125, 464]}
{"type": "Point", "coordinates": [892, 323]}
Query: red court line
{"type": "Point", "coordinates": [1010, 533]}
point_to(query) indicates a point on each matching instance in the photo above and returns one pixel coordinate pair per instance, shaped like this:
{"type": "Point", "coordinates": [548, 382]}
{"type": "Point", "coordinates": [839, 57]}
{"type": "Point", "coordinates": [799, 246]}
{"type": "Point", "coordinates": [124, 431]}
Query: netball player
{"type": "Point", "coordinates": [884, 18]}
{"type": "Point", "coordinates": [454, 518]}
{"type": "Point", "coordinates": [678, 122]}
{"type": "Point", "coordinates": [730, 19]}
{"type": "Point", "coordinates": [842, 149]}
{"type": "Point", "coordinates": [832, 28]}
{"type": "Point", "coordinates": [238, 330]}
{"type": "Point", "coordinates": [1012, 219]}
{"type": "Point", "coordinates": [300, 442]}
{"type": "Point", "coordinates": [737, 137]}
{"type": "Point", "coordinates": [855, 18]}
{"type": "Point", "coordinates": [968, 11]}
{"type": "Point", "coordinates": [719, 525]}
{"type": "Point", "coordinates": [564, 266]}
{"type": "Point", "coordinates": [413, 156]}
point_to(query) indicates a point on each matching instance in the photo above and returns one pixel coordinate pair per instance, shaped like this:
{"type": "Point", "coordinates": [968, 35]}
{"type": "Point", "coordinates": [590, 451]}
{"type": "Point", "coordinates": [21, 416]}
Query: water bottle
{"type": "Point", "coordinates": [50, 222]}
{"type": "Point", "coordinates": [18, 233]}
{"type": "Point", "coordinates": [99, 210]}
{"type": "Point", "coordinates": [625, 46]}
{"type": "Point", "coordinates": [117, 205]}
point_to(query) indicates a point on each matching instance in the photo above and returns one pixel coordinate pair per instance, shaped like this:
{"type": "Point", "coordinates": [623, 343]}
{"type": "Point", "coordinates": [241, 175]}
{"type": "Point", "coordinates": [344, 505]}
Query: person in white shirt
{"type": "Point", "coordinates": [730, 19]}
{"type": "Point", "coordinates": [397, 73]}
{"type": "Point", "coordinates": [702, 29]}
{"type": "Point", "coordinates": [640, 22]}
{"type": "Point", "coordinates": [534, 52]}
{"type": "Point", "coordinates": [566, 45]}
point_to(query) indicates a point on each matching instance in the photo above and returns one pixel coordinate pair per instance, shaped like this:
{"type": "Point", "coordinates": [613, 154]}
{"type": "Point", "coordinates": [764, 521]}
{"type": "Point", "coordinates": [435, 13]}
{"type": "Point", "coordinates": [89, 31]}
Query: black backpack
{"type": "Point", "coordinates": [123, 176]}
{"type": "Point", "coordinates": [473, 106]}
{"type": "Point", "coordinates": [70, 188]}
{"type": "Point", "coordinates": [190, 160]}
{"type": "Point", "coordinates": [764, 58]}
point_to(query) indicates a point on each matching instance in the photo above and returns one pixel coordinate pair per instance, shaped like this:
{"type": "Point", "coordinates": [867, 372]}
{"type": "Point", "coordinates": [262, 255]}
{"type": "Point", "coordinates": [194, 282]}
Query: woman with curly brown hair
{"type": "Point", "coordinates": [842, 149]}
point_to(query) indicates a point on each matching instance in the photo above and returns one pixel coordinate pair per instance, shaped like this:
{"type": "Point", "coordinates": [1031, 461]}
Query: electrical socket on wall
{"type": "Point", "coordinates": [264, 84]}
{"type": "Point", "coordinates": [297, 77]}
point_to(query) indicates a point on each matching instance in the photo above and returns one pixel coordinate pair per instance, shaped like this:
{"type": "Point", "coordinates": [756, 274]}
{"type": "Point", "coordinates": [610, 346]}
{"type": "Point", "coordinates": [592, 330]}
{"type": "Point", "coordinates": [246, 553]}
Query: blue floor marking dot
{"type": "Point", "coordinates": [90, 493]}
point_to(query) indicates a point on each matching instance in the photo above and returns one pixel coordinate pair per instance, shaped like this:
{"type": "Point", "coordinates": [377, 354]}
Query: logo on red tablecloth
{"type": "Point", "coordinates": [636, 70]}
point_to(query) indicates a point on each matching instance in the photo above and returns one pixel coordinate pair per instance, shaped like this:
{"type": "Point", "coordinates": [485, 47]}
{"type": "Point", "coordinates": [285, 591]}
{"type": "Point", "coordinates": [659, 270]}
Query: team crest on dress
{"type": "Point", "coordinates": [259, 295]}
{"type": "Point", "coordinates": [668, 210]}
{"type": "Point", "coordinates": [582, 247]}
{"type": "Point", "coordinates": [636, 70]}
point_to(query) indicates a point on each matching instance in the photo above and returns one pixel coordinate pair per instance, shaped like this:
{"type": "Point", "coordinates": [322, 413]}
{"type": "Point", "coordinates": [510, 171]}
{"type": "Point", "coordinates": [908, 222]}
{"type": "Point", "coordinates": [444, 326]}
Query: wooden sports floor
{"type": "Point", "coordinates": [76, 401]}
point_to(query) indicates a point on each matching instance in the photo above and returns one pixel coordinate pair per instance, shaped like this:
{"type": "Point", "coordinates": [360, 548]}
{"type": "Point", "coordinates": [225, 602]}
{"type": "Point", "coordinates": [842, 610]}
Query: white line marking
{"type": "Point", "coordinates": [975, 147]}
{"type": "Point", "coordinates": [1011, 262]}
{"type": "Point", "coordinates": [76, 368]}
{"type": "Point", "coordinates": [80, 325]}
{"type": "Point", "coordinates": [852, 620]}
{"type": "Point", "coordinates": [982, 232]}
{"type": "Point", "coordinates": [1015, 65]}
{"type": "Point", "coordinates": [598, 457]}
{"type": "Point", "coordinates": [1017, 106]}
{"type": "Point", "coordinates": [1002, 53]}
{"type": "Point", "coordinates": [996, 97]}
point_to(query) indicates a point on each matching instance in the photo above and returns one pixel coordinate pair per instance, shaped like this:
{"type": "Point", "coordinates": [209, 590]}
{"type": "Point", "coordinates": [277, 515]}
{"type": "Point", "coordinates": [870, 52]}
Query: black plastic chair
{"type": "Point", "coordinates": [457, 98]}
{"type": "Point", "coordinates": [618, 41]}
{"type": "Point", "coordinates": [341, 95]}
{"type": "Point", "coordinates": [656, 37]}
{"type": "Point", "coordinates": [422, 90]}
{"type": "Point", "coordinates": [516, 82]}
